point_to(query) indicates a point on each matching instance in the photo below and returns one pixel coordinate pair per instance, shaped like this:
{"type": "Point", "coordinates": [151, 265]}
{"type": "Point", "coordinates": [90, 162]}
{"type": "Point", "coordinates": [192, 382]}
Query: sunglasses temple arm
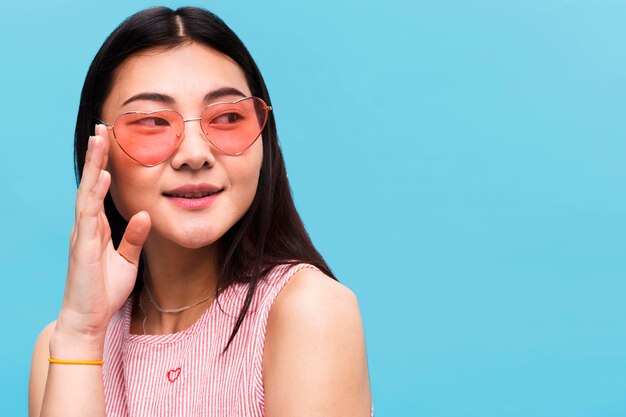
{"type": "Point", "coordinates": [100, 121]}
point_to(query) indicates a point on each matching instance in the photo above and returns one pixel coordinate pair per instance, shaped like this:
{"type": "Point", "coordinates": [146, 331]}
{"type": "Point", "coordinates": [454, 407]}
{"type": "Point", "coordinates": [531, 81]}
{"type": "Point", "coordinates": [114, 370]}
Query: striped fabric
{"type": "Point", "coordinates": [183, 374]}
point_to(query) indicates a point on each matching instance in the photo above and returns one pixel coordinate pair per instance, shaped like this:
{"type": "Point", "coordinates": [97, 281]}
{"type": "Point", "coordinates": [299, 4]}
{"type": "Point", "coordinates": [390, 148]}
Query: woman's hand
{"type": "Point", "coordinates": [100, 278]}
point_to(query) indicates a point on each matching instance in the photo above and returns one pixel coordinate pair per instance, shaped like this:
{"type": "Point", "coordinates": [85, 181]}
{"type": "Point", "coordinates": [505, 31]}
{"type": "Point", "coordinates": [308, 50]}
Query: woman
{"type": "Point", "coordinates": [193, 288]}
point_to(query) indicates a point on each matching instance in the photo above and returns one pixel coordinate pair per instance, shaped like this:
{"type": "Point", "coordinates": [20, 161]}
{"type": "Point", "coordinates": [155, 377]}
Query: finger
{"type": "Point", "coordinates": [91, 171]}
{"type": "Point", "coordinates": [134, 237]}
{"type": "Point", "coordinates": [103, 131]}
{"type": "Point", "coordinates": [93, 162]}
{"type": "Point", "coordinates": [88, 216]}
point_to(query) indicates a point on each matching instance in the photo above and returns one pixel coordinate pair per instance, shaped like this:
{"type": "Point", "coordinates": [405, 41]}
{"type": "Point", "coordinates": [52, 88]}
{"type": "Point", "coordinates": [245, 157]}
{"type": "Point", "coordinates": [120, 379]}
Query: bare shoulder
{"type": "Point", "coordinates": [46, 332]}
{"type": "Point", "coordinates": [39, 370]}
{"type": "Point", "coordinates": [313, 302]}
{"type": "Point", "coordinates": [309, 290]}
{"type": "Point", "coordinates": [41, 349]}
{"type": "Point", "coordinates": [314, 362]}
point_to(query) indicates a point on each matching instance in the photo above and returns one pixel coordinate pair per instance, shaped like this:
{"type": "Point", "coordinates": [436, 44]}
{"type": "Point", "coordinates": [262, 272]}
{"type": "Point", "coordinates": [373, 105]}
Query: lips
{"type": "Point", "coordinates": [192, 191]}
{"type": "Point", "coordinates": [190, 195]}
{"type": "Point", "coordinates": [193, 196]}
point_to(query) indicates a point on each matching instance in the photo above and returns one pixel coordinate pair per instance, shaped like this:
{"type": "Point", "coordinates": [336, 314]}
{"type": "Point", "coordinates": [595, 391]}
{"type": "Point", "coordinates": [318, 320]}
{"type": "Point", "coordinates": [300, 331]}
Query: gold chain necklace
{"type": "Point", "coordinates": [165, 310]}
{"type": "Point", "coordinates": [172, 310]}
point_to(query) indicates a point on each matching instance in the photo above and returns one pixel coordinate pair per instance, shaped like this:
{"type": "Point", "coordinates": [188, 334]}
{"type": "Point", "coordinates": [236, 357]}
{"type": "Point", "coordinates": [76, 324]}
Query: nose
{"type": "Point", "coordinates": [194, 150]}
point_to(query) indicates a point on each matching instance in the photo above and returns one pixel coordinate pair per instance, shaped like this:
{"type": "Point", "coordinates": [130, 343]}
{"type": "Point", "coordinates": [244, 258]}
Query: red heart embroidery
{"type": "Point", "coordinates": [173, 374]}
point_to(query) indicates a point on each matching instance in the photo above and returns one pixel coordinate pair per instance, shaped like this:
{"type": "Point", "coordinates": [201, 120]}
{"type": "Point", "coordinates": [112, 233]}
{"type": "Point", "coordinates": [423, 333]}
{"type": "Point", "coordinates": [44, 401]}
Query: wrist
{"type": "Point", "coordinates": [69, 343]}
{"type": "Point", "coordinates": [76, 323]}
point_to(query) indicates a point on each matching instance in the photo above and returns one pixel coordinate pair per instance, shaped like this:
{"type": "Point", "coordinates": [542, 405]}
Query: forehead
{"type": "Point", "coordinates": [186, 73]}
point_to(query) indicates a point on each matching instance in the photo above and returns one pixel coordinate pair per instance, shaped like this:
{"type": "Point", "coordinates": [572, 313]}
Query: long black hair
{"type": "Point", "coordinates": [271, 231]}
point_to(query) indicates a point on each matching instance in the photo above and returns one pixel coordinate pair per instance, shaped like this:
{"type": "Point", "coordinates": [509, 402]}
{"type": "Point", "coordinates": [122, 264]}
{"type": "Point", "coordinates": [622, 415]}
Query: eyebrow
{"type": "Point", "coordinates": [222, 92]}
{"type": "Point", "coordinates": [164, 98]}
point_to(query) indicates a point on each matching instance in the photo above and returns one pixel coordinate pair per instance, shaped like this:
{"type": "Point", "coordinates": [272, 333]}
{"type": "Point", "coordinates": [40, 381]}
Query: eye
{"type": "Point", "coordinates": [227, 118]}
{"type": "Point", "coordinates": [151, 121]}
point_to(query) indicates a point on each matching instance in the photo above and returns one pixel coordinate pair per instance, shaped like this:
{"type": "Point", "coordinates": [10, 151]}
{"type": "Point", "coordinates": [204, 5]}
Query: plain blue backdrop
{"type": "Point", "coordinates": [460, 164]}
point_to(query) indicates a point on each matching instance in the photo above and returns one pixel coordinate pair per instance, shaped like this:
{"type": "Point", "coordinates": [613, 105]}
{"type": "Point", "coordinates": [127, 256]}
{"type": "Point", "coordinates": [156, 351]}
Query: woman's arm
{"type": "Point", "coordinates": [71, 390]}
{"type": "Point", "coordinates": [99, 280]}
{"type": "Point", "coordinates": [314, 362]}
{"type": "Point", "coordinates": [39, 371]}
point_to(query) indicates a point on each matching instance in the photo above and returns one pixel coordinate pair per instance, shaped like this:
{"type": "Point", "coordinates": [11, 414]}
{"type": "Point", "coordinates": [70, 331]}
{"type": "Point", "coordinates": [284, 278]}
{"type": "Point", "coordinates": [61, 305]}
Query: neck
{"type": "Point", "coordinates": [177, 277]}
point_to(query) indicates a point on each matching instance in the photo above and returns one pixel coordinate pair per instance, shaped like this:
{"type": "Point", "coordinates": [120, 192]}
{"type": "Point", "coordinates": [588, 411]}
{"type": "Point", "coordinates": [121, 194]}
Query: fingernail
{"type": "Point", "coordinates": [96, 129]}
{"type": "Point", "coordinates": [90, 142]}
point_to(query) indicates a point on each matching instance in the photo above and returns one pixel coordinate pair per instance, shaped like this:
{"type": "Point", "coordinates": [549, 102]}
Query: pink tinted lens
{"type": "Point", "coordinates": [148, 138]}
{"type": "Point", "coordinates": [233, 127]}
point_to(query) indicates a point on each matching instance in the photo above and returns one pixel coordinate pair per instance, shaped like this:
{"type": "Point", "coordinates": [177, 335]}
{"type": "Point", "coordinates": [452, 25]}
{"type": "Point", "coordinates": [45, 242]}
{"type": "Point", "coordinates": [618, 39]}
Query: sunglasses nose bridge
{"type": "Point", "coordinates": [192, 148]}
{"type": "Point", "coordinates": [193, 119]}
{"type": "Point", "coordinates": [183, 131]}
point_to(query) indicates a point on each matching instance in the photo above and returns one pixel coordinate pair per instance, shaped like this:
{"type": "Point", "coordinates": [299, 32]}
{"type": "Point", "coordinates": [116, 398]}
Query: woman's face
{"type": "Point", "coordinates": [180, 79]}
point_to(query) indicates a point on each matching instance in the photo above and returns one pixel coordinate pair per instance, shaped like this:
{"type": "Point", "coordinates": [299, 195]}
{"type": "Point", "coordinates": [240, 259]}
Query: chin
{"type": "Point", "coordinates": [195, 240]}
{"type": "Point", "coordinates": [195, 244]}
{"type": "Point", "coordinates": [188, 234]}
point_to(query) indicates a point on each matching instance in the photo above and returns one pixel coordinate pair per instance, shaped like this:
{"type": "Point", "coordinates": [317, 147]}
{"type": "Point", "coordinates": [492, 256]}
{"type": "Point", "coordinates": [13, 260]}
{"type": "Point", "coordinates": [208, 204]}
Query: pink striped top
{"type": "Point", "coordinates": [182, 374]}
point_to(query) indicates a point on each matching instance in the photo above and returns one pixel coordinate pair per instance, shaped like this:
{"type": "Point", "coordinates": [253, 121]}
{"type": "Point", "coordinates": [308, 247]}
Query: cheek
{"type": "Point", "coordinates": [247, 174]}
{"type": "Point", "coordinates": [125, 189]}
{"type": "Point", "coordinates": [119, 197]}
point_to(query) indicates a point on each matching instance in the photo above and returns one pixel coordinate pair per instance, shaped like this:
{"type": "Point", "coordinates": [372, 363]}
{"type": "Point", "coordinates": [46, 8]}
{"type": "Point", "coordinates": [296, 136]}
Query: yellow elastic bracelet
{"type": "Point", "coordinates": [64, 362]}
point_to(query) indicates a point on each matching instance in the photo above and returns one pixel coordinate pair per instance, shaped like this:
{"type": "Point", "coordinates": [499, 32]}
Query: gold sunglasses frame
{"type": "Point", "coordinates": [111, 127]}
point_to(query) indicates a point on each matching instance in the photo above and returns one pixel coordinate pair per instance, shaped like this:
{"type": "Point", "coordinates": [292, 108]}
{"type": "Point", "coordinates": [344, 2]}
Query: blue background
{"type": "Point", "coordinates": [460, 164]}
